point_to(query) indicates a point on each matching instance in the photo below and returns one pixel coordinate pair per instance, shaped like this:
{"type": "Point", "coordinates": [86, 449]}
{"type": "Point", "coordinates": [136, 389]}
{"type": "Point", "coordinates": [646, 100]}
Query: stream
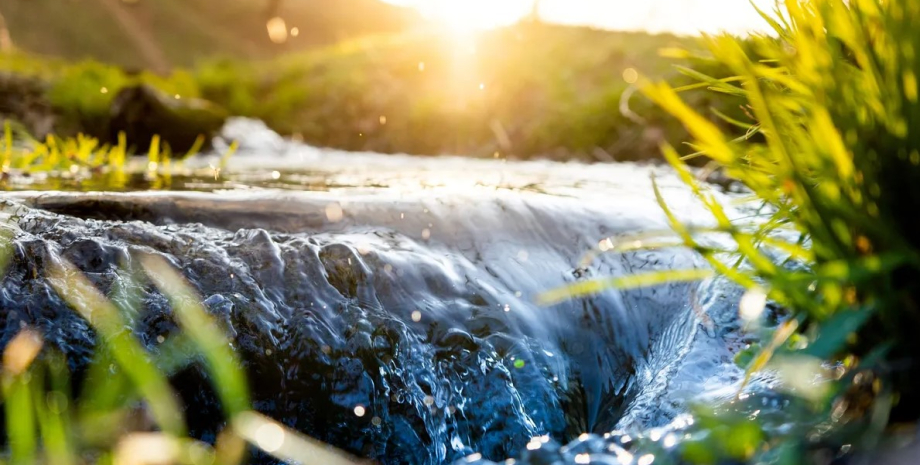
{"type": "Point", "coordinates": [386, 304]}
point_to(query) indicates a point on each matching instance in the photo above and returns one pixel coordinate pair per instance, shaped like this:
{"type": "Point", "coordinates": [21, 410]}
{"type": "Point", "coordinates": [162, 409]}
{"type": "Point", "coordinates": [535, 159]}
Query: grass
{"type": "Point", "coordinates": [107, 424]}
{"type": "Point", "coordinates": [529, 90]}
{"type": "Point", "coordinates": [181, 32]}
{"type": "Point", "coordinates": [826, 141]}
{"type": "Point", "coordinates": [832, 152]}
{"type": "Point", "coordinates": [84, 158]}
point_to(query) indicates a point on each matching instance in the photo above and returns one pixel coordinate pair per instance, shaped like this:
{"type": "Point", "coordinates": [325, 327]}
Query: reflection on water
{"type": "Point", "coordinates": [385, 304]}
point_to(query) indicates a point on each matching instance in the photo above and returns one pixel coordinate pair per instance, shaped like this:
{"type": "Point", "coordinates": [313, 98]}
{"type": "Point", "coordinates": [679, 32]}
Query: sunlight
{"type": "Point", "coordinates": [678, 16]}
{"type": "Point", "coordinates": [472, 15]}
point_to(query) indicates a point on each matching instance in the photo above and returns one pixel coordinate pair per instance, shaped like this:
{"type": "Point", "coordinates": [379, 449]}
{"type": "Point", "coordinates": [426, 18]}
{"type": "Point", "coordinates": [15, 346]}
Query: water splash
{"type": "Point", "coordinates": [403, 326]}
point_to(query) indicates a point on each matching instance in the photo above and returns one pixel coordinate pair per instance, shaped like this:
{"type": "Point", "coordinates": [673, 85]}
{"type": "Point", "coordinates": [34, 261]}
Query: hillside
{"type": "Point", "coordinates": [160, 34]}
{"type": "Point", "coordinates": [530, 90]}
{"type": "Point", "coordinates": [522, 91]}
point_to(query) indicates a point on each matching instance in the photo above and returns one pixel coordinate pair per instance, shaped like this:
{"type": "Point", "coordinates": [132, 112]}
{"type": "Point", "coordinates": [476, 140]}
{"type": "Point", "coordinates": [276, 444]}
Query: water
{"type": "Point", "coordinates": [386, 304]}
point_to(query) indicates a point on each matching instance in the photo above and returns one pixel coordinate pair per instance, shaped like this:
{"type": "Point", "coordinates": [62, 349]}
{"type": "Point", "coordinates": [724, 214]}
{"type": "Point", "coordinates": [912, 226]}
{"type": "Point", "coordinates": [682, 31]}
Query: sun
{"type": "Point", "coordinates": [464, 16]}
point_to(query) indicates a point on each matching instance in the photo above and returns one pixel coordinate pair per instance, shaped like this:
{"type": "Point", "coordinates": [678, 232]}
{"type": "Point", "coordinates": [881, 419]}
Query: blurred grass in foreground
{"type": "Point", "coordinates": [833, 98]}
{"type": "Point", "coordinates": [129, 413]}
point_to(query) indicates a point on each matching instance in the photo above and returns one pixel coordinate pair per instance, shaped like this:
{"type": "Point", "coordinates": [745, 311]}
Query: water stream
{"type": "Point", "coordinates": [386, 304]}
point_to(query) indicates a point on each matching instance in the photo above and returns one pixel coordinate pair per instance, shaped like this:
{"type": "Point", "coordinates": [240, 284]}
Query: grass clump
{"type": "Point", "coordinates": [832, 151]}
{"type": "Point", "coordinates": [835, 98]}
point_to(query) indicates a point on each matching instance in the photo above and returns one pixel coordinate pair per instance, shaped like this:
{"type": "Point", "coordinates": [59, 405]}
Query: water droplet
{"type": "Point", "coordinates": [276, 175]}
{"type": "Point", "coordinates": [669, 441]}
{"type": "Point", "coordinates": [376, 421]}
{"type": "Point", "coordinates": [752, 304]}
{"type": "Point", "coordinates": [270, 437]}
{"type": "Point", "coordinates": [334, 212]}
{"type": "Point", "coordinates": [295, 32]}
{"type": "Point", "coordinates": [161, 339]}
{"type": "Point", "coordinates": [359, 410]}
{"type": "Point", "coordinates": [277, 30]}
{"type": "Point", "coordinates": [646, 459]}
{"type": "Point", "coordinates": [416, 316]}
{"type": "Point", "coordinates": [630, 75]}
{"type": "Point", "coordinates": [429, 401]}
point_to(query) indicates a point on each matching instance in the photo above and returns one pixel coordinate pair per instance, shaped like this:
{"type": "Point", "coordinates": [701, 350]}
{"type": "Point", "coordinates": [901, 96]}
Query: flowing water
{"type": "Point", "coordinates": [386, 304]}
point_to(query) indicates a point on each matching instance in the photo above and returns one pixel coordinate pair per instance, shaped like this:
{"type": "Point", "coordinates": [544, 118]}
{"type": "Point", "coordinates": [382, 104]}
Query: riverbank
{"type": "Point", "coordinates": [526, 91]}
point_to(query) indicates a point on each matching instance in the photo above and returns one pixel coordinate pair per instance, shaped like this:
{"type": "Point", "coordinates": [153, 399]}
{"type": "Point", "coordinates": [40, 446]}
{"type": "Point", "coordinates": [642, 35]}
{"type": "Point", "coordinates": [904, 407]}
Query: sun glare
{"type": "Point", "coordinates": [679, 16]}
{"type": "Point", "coordinates": [472, 15]}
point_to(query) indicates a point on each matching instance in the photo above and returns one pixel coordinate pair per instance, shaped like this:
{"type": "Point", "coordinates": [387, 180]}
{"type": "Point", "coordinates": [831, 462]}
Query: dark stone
{"type": "Point", "coordinates": [141, 112]}
{"type": "Point", "coordinates": [22, 99]}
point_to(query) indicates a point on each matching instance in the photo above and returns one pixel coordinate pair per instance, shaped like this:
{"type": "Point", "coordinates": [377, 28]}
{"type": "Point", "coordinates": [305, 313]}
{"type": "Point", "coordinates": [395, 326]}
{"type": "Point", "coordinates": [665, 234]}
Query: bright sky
{"type": "Point", "coordinates": [679, 16]}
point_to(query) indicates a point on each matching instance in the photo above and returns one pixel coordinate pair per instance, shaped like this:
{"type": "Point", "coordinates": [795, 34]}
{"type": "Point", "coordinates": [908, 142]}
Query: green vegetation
{"type": "Point", "coordinates": [523, 91]}
{"type": "Point", "coordinates": [161, 34]}
{"type": "Point", "coordinates": [826, 141]}
{"type": "Point", "coordinates": [833, 98]}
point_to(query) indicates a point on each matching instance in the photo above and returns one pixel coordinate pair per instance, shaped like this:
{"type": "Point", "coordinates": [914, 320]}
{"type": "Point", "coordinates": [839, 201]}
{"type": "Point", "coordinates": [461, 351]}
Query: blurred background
{"type": "Point", "coordinates": [510, 78]}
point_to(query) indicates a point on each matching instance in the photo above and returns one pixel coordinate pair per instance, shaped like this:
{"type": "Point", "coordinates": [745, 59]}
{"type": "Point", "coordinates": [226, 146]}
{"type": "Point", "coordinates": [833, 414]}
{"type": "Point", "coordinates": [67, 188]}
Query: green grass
{"type": "Point", "coordinates": [185, 31]}
{"type": "Point", "coordinates": [83, 158]}
{"type": "Point", "coordinates": [525, 91]}
{"type": "Point", "coordinates": [833, 153]}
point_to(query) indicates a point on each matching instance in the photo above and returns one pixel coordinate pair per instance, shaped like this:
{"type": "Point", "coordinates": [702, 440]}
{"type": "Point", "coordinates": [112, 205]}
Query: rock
{"type": "Point", "coordinates": [22, 99]}
{"type": "Point", "coordinates": [141, 112]}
